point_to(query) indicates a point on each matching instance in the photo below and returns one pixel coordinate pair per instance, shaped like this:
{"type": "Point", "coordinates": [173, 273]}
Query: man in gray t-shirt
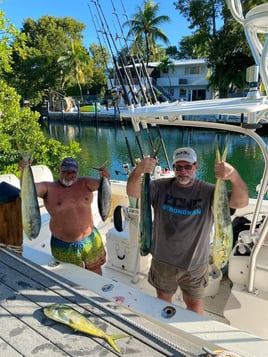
{"type": "Point", "coordinates": [182, 224]}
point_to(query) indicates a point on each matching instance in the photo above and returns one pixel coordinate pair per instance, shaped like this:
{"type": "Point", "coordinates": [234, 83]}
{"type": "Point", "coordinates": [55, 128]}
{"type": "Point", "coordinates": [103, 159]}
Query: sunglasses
{"type": "Point", "coordinates": [183, 167]}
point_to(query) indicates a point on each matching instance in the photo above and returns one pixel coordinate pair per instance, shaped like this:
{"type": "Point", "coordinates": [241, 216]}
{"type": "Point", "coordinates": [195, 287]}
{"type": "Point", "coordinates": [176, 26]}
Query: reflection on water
{"type": "Point", "coordinates": [108, 143]}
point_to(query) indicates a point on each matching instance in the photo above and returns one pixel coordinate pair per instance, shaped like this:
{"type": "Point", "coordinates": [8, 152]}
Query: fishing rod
{"type": "Point", "coordinates": [101, 14]}
{"type": "Point", "coordinates": [121, 80]}
{"type": "Point", "coordinates": [120, 118]}
{"type": "Point", "coordinates": [101, 46]}
{"type": "Point", "coordinates": [130, 56]}
{"type": "Point", "coordinates": [143, 67]}
{"type": "Point", "coordinates": [117, 74]}
{"type": "Point", "coordinates": [163, 146]}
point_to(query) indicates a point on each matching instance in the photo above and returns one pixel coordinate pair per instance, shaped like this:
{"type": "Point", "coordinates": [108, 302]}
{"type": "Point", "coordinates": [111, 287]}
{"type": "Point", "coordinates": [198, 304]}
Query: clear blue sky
{"type": "Point", "coordinates": [18, 10]}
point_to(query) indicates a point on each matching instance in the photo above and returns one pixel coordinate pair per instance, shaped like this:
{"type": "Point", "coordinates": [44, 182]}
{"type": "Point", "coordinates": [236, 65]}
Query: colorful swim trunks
{"type": "Point", "coordinates": [88, 251]}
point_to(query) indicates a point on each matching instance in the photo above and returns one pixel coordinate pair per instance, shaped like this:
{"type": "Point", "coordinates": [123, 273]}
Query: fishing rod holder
{"type": "Point", "coordinates": [252, 77]}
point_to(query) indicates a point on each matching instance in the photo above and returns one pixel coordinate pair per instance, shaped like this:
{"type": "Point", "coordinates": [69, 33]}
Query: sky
{"type": "Point", "coordinates": [18, 10]}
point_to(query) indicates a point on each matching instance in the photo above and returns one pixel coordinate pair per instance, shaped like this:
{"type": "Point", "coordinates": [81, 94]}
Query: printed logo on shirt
{"type": "Point", "coordinates": [182, 206]}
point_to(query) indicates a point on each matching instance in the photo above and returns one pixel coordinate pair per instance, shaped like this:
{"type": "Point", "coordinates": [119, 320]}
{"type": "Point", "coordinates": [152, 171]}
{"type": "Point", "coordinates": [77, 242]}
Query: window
{"type": "Point", "coordinates": [192, 70]}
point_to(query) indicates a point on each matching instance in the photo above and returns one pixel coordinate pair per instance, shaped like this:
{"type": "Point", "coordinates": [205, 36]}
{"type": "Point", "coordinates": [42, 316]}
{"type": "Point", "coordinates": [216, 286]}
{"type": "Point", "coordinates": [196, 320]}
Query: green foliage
{"type": "Point", "coordinates": [38, 70]}
{"type": "Point", "coordinates": [218, 38]}
{"type": "Point", "coordinates": [21, 134]}
{"type": "Point", "coordinates": [8, 34]}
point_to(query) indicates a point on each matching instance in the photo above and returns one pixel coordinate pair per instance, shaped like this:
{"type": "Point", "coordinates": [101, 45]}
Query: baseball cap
{"type": "Point", "coordinates": [184, 154]}
{"type": "Point", "coordinates": [69, 164]}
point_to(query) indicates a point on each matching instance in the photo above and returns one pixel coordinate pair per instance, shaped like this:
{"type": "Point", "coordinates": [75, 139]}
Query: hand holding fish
{"type": "Point", "coordinates": [24, 163]}
{"type": "Point", "coordinates": [147, 165]}
{"type": "Point", "coordinates": [225, 171]}
{"type": "Point", "coordinates": [103, 172]}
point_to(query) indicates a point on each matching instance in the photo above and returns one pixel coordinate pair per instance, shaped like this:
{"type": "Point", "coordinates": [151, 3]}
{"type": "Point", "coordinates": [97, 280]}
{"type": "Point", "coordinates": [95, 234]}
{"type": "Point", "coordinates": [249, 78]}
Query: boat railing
{"type": "Point", "coordinates": [254, 23]}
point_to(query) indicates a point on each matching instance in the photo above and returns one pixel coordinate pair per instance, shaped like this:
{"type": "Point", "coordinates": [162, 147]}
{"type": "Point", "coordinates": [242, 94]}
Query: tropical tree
{"type": "Point", "coordinates": [165, 66]}
{"type": "Point", "coordinates": [76, 63]}
{"type": "Point", "coordinates": [19, 127]}
{"type": "Point", "coordinates": [46, 40]}
{"type": "Point", "coordinates": [219, 39]}
{"type": "Point", "coordinates": [100, 58]}
{"type": "Point", "coordinates": [144, 25]}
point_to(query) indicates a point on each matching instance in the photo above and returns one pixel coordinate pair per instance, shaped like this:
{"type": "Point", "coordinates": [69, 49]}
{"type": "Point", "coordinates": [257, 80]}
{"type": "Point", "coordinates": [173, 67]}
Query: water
{"type": "Point", "coordinates": [108, 143]}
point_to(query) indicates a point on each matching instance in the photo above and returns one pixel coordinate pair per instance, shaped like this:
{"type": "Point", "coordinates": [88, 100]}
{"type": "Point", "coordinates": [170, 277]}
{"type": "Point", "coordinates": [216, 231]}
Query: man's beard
{"type": "Point", "coordinates": [67, 183]}
{"type": "Point", "coordinates": [186, 180]}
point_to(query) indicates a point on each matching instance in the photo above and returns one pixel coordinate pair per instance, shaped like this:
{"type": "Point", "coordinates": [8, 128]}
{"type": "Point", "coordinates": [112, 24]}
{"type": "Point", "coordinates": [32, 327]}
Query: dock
{"type": "Point", "coordinates": [109, 118]}
{"type": "Point", "coordinates": [25, 331]}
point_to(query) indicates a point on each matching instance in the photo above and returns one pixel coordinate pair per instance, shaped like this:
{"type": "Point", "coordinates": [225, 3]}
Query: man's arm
{"type": "Point", "coordinates": [134, 180]}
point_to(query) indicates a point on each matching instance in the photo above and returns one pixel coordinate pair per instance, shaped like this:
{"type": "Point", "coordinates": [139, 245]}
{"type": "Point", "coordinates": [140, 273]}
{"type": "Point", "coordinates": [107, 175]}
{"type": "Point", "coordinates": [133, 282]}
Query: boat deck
{"type": "Point", "coordinates": [25, 331]}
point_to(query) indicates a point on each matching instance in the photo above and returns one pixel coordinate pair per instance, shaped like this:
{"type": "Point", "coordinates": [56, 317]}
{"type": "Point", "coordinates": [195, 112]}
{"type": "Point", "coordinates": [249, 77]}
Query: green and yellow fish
{"type": "Point", "coordinates": [146, 225]}
{"type": "Point", "coordinates": [31, 218]}
{"type": "Point", "coordinates": [223, 230]}
{"type": "Point", "coordinates": [68, 316]}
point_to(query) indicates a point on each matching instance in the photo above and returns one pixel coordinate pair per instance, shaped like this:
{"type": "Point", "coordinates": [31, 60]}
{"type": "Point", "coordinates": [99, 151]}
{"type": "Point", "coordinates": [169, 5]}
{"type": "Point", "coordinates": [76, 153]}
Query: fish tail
{"type": "Point", "coordinates": [222, 157]}
{"type": "Point", "coordinates": [111, 338]}
{"type": "Point", "coordinates": [25, 155]}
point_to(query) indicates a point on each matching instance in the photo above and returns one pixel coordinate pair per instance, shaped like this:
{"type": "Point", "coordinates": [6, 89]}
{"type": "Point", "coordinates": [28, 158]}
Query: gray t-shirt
{"type": "Point", "coordinates": [183, 221]}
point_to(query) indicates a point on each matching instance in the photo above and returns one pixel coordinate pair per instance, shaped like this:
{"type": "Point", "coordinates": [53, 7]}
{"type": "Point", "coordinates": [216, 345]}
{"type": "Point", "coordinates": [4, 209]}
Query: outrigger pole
{"type": "Point", "coordinates": [101, 15]}
{"type": "Point", "coordinates": [101, 46]}
{"type": "Point", "coordinates": [145, 72]}
{"type": "Point", "coordinates": [113, 56]}
{"type": "Point", "coordinates": [131, 57]}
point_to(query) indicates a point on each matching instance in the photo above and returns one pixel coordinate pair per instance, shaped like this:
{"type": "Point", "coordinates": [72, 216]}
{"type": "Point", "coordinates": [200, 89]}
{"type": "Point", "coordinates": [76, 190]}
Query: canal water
{"type": "Point", "coordinates": [109, 143]}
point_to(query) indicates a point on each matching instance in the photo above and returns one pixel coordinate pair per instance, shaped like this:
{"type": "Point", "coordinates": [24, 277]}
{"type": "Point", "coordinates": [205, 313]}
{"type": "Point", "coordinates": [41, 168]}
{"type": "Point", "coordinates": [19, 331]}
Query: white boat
{"type": "Point", "coordinates": [236, 308]}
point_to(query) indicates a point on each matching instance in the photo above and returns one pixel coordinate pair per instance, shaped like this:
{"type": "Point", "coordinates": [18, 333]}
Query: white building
{"type": "Point", "coordinates": [182, 80]}
{"type": "Point", "coordinates": [185, 80]}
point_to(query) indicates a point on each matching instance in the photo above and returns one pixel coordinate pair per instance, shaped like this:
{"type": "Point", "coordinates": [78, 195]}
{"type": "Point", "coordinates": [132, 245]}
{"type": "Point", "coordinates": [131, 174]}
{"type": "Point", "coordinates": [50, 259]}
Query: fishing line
{"type": "Point", "coordinates": [121, 80]}
{"type": "Point", "coordinates": [163, 146]}
{"type": "Point", "coordinates": [100, 12]}
{"type": "Point", "coordinates": [131, 57]}
{"type": "Point", "coordinates": [143, 67]}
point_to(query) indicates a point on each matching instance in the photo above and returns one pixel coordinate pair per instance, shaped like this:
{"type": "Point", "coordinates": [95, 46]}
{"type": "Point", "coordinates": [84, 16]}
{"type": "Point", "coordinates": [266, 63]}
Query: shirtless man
{"type": "Point", "coordinates": [68, 201]}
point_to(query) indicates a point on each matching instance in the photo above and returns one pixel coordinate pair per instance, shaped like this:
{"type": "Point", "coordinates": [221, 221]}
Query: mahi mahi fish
{"type": "Point", "coordinates": [31, 218]}
{"type": "Point", "coordinates": [146, 221]}
{"type": "Point", "coordinates": [66, 315]}
{"type": "Point", "coordinates": [223, 232]}
{"type": "Point", "coordinates": [145, 241]}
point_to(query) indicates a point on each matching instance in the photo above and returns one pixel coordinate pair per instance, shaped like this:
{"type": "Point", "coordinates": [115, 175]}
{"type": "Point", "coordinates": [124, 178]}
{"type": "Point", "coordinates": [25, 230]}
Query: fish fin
{"type": "Point", "coordinates": [111, 338]}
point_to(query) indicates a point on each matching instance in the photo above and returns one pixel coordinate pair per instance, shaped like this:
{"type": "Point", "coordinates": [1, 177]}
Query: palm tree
{"type": "Point", "coordinates": [76, 63]}
{"type": "Point", "coordinates": [165, 66]}
{"type": "Point", "coordinates": [144, 27]}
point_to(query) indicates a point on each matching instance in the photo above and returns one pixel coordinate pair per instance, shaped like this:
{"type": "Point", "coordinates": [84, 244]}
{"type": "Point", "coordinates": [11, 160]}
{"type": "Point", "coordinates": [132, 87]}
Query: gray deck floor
{"type": "Point", "coordinates": [25, 289]}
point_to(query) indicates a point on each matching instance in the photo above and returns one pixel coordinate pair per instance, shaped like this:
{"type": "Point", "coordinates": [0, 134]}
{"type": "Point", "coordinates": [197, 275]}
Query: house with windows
{"type": "Point", "coordinates": [181, 80]}
{"type": "Point", "coordinates": [184, 80]}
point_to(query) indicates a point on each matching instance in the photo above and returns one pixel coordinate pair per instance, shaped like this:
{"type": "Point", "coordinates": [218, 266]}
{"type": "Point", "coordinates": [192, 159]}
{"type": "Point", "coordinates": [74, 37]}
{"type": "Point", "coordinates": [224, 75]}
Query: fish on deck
{"type": "Point", "coordinates": [68, 316]}
{"type": "Point", "coordinates": [223, 231]}
{"type": "Point", "coordinates": [31, 217]}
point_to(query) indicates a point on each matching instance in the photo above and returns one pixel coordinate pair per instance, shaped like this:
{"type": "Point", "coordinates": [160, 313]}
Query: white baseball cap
{"type": "Point", "coordinates": [184, 154]}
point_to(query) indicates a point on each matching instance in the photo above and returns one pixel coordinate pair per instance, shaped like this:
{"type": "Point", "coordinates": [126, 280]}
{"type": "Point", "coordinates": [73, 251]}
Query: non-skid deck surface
{"type": "Point", "coordinates": [25, 289]}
